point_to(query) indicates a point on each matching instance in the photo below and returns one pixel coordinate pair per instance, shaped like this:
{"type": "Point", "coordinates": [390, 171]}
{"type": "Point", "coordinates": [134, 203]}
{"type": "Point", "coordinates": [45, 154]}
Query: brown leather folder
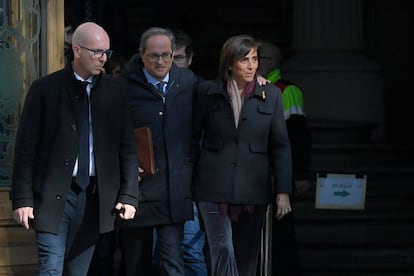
{"type": "Point", "coordinates": [145, 151]}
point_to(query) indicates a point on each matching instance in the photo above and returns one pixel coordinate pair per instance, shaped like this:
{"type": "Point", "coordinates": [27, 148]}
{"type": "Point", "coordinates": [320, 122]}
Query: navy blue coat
{"type": "Point", "coordinates": [165, 197]}
{"type": "Point", "coordinates": [47, 146]}
{"type": "Point", "coordinates": [244, 165]}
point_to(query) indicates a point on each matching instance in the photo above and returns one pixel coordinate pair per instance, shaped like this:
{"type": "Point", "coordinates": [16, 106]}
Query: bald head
{"type": "Point", "coordinates": [88, 31]}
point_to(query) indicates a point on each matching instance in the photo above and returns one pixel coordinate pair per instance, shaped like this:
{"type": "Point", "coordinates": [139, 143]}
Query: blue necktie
{"type": "Point", "coordinates": [160, 86]}
{"type": "Point", "coordinates": [82, 177]}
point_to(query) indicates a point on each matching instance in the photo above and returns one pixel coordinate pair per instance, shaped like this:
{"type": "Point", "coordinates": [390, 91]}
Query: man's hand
{"type": "Point", "coordinates": [125, 211]}
{"type": "Point", "coordinates": [22, 216]}
{"type": "Point", "coordinates": [283, 205]}
{"type": "Point", "coordinates": [261, 80]}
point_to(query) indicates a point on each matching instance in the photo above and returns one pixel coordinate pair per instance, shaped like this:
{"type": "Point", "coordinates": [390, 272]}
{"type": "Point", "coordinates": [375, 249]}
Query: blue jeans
{"type": "Point", "coordinates": [192, 247]}
{"type": "Point", "coordinates": [67, 248]}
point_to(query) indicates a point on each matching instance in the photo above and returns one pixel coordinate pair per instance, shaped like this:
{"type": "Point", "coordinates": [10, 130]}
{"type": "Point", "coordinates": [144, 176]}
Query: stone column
{"type": "Point", "coordinates": [341, 87]}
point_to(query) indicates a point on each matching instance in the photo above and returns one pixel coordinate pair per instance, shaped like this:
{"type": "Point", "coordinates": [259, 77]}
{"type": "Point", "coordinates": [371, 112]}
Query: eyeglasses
{"type": "Point", "coordinates": [155, 57]}
{"type": "Point", "coordinates": [179, 57]}
{"type": "Point", "coordinates": [98, 53]}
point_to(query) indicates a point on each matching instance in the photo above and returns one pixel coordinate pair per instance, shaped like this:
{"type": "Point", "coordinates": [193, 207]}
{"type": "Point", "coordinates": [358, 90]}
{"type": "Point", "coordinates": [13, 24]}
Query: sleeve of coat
{"type": "Point", "coordinates": [129, 189]}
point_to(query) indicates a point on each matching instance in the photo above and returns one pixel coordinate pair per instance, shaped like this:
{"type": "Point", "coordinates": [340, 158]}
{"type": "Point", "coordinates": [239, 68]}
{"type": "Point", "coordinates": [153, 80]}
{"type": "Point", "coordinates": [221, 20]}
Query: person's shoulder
{"type": "Point", "coordinates": [182, 72]}
{"type": "Point", "coordinates": [210, 83]}
{"type": "Point", "coordinates": [286, 84]}
{"type": "Point", "coordinates": [110, 82]}
{"type": "Point", "coordinates": [54, 78]}
{"type": "Point", "coordinates": [270, 87]}
{"type": "Point", "coordinates": [208, 87]}
{"type": "Point", "coordinates": [268, 91]}
{"type": "Point", "coordinates": [184, 77]}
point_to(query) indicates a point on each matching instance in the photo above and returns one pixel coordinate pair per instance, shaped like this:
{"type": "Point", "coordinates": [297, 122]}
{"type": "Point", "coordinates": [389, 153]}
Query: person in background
{"type": "Point", "coordinates": [184, 52]}
{"type": "Point", "coordinates": [161, 98]}
{"type": "Point", "coordinates": [116, 65]}
{"type": "Point", "coordinates": [194, 236]}
{"type": "Point", "coordinates": [48, 193]}
{"type": "Point", "coordinates": [69, 28]}
{"type": "Point", "coordinates": [102, 263]}
{"type": "Point", "coordinates": [285, 253]}
{"type": "Point", "coordinates": [244, 161]}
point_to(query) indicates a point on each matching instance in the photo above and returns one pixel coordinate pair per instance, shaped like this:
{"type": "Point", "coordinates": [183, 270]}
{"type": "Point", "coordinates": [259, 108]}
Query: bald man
{"type": "Point", "coordinates": [66, 211]}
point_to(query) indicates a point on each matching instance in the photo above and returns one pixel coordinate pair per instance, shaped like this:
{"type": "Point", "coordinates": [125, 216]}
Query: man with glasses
{"type": "Point", "coordinates": [160, 97]}
{"type": "Point", "coordinates": [183, 54]}
{"type": "Point", "coordinates": [75, 165]}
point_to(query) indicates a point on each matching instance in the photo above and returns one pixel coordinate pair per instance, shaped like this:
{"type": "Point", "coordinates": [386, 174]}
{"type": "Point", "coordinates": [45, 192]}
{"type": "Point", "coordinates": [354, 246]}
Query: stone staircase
{"type": "Point", "coordinates": [378, 240]}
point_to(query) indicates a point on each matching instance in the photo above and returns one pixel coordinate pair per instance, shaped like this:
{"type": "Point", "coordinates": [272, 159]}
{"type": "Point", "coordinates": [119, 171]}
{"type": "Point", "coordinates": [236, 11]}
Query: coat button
{"type": "Point", "coordinates": [160, 113]}
{"type": "Point", "coordinates": [66, 162]}
{"type": "Point", "coordinates": [58, 196]}
{"type": "Point", "coordinates": [74, 127]}
{"type": "Point", "coordinates": [234, 164]}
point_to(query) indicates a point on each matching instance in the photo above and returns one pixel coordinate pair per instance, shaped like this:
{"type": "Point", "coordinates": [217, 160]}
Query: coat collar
{"type": "Point", "coordinates": [218, 87]}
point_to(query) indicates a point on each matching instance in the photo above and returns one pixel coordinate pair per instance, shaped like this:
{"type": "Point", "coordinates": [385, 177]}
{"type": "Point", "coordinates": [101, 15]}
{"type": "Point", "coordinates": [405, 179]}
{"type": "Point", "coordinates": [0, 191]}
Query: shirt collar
{"type": "Point", "coordinates": [153, 80]}
{"type": "Point", "coordinates": [90, 79]}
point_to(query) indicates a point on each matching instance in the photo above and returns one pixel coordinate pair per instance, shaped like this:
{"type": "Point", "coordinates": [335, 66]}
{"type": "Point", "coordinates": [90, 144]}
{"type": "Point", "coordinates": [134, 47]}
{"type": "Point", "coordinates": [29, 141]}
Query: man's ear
{"type": "Point", "coordinates": [189, 60]}
{"type": "Point", "coordinates": [76, 50]}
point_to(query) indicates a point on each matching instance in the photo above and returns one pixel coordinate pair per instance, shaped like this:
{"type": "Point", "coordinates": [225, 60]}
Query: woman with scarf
{"type": "Point", "coordinates": [243, 162]}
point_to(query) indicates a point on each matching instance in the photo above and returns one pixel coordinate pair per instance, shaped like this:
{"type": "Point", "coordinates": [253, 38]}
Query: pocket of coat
{"type": "Point", "coordinates": [257, 147]}
{"type": "Point", "coordinates": [265, 109]}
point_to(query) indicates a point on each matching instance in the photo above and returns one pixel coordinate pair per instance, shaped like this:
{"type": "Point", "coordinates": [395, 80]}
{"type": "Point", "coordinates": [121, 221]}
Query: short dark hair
{"type": "Point", "coordinates": [155, 31]}
{"type": "Point", "coordinates": [182, 39]}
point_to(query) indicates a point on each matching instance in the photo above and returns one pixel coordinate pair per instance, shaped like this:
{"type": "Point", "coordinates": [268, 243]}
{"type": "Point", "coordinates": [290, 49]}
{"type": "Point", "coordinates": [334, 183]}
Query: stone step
{"type": "Point", "coordinates": [362, 158]}
{"type": "Point", "coordinates": [352, 262]}
{"type": "Point", "coordinates": [377, 240]}
{"type": "Point", "coordinates": [329, 131]}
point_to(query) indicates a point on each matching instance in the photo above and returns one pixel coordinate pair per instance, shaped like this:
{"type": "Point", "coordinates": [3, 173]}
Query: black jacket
{"type": "Point", "coordinates": [47, 147]}
{"type": "Point", "coordinates": [244, 165]}
{"type": "Point", "coordinates": [164, 197]}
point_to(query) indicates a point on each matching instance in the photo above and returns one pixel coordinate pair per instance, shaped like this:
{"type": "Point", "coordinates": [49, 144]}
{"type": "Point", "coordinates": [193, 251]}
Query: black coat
{"type": "Point", "coordinates": [165, 197]}
{"type": "Point", "coordinates": [47, 147]}
{"type": "Point", "coordinates": [244, 165]}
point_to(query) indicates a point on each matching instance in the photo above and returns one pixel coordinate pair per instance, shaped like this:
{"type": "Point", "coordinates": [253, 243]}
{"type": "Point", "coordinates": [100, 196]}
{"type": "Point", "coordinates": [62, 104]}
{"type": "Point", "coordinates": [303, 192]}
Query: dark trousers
{"type": "Point", "coordinates": [70, 251]}
{"type": "Point", "coordinates": [285, 252]}
{"type": "Point", "coordinates": [233, 246]}
{"type": "Point", "coordinates": [136, 250]}
{"type": "Point", "coordinates": [102, 263]}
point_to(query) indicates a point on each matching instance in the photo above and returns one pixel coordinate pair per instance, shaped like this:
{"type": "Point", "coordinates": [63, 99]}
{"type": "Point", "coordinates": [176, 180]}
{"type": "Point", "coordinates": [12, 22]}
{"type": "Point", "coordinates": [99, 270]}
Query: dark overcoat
{"type": "Point", "coordinates": [47, 145]}
{"type": "Point", "coordinates": [165, 197]}
{"type": "Point", "coordinates": [247, 164]}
